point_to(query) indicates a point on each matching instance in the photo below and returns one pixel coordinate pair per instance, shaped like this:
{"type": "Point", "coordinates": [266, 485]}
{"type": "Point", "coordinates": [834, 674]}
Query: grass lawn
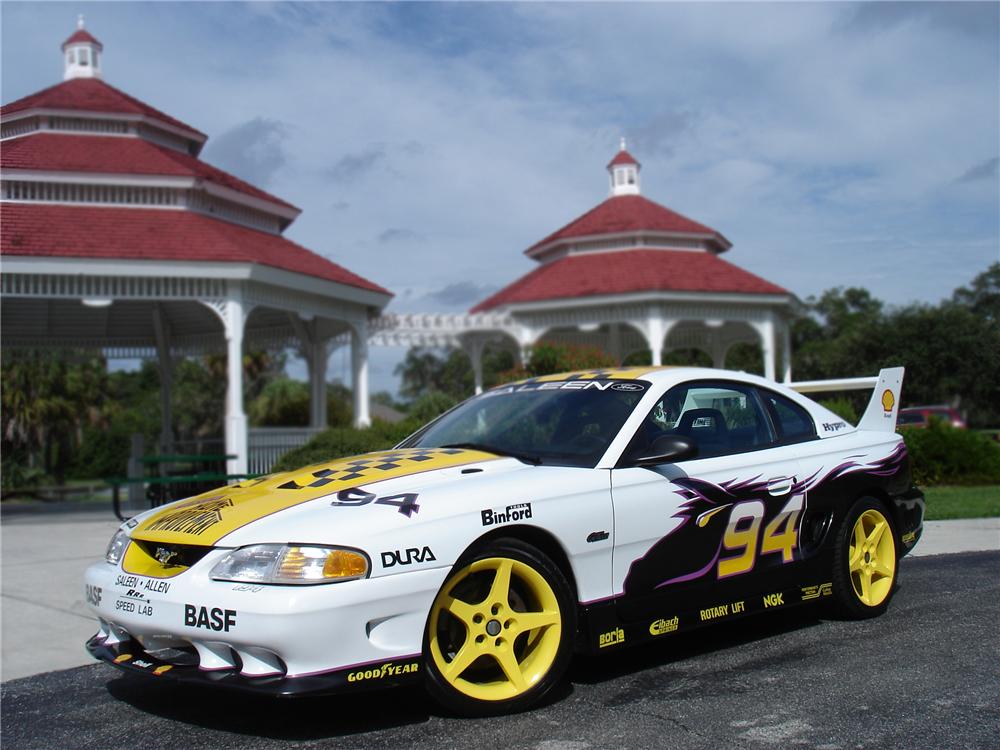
{"type": "Point", "coordinates": [962, 502]}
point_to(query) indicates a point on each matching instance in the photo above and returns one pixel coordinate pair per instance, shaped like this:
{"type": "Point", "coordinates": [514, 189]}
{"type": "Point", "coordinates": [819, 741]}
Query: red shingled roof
{"type": "Point", "coordinates": [628, 213]}
{"type": "Point", "coordinates": [627, 271]}
{"type": "Point", "coordinates": [108, 154]}
{"type": "Point", "coordinates": [45, 230]}
{"type": "Point", "coordinates": [82, 35]}
{"type": "Point", "coordinates": [92, 95]}
{"type": "Point", "coordinates": [622, 157]}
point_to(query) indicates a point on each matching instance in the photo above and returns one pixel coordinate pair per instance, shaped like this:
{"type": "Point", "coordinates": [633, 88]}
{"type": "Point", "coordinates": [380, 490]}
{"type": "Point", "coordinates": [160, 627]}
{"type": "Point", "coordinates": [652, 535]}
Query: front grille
{"type": "Point", "coordinates": [180, 555]}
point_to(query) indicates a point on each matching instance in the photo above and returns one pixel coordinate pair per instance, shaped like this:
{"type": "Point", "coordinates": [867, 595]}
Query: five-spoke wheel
{"type": "Point", "coordinates": [499, 631]}
{"type": "Point", "coordinates": [865, 560]}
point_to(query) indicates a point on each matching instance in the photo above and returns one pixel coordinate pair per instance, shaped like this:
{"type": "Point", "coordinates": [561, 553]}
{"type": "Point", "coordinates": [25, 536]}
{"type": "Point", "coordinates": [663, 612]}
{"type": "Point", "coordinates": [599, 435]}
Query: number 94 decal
{"type": "Point", "coordinates": [744, 536]}
{"type": "Point", "coordinates": [405, 502]}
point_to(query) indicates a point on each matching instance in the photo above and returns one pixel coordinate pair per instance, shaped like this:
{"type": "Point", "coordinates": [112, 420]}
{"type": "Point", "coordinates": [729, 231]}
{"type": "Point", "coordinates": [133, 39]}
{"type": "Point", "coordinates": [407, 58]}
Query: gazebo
{"type": "Point", "coordinates": [116, 236]}
{"type": "Point", "coordinates": [631, 274]}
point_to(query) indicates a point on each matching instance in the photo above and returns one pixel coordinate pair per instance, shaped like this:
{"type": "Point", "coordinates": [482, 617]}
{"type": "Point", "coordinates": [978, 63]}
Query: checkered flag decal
{"type": "Point", "coordinates": [369, 467]}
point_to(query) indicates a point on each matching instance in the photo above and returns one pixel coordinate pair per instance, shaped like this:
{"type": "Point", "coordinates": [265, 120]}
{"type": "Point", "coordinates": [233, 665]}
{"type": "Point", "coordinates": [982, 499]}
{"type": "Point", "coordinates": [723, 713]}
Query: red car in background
{"type": "Point", "coordinates": [920, 416]}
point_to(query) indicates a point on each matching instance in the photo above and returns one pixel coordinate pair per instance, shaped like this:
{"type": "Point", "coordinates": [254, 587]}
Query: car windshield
{"type": "Point", "coordinates": [910, 418]}
{"type": "Point", "coordinates": [559, 423]}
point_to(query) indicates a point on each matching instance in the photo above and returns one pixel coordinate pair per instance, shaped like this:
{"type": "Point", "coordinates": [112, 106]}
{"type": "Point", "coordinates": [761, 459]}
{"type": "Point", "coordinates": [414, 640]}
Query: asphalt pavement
{"type": "Point", "coordinates": [922, 675]}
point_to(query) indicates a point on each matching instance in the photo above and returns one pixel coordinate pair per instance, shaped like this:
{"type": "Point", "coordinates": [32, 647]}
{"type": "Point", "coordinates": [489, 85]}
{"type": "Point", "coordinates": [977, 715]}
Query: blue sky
{"type": "Point", "coordinates": [835, 144]}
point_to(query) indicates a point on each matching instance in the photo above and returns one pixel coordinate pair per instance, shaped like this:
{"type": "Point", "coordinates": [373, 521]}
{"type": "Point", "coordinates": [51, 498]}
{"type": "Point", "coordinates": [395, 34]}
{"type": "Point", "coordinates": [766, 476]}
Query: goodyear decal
{"type": "Point", "coordinates": [205, 519]}
{"type": "Point", "coordinates": [611, 373]}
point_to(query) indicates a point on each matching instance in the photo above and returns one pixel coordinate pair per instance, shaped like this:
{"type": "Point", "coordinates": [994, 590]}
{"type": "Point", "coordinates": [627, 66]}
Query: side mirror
{"type": "Point", "coordinates": [668, 449]}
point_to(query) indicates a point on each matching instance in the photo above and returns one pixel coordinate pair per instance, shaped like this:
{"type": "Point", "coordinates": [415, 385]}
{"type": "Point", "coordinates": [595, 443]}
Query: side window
{"type": "Point", "coordinates": [722, 418]}
{"type": "Point", "coordinates": [791, 420]}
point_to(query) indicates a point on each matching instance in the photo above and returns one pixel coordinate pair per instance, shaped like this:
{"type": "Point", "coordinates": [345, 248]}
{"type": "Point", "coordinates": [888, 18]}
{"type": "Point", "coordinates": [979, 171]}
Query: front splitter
{"type": "Point", "coordinates": [129, 656]}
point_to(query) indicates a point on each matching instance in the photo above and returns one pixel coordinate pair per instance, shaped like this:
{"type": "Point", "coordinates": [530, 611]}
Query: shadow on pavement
{"type": "Point", "coordinates": [276, 718]}
{"type": "Point", "coordinates": [590, 670]}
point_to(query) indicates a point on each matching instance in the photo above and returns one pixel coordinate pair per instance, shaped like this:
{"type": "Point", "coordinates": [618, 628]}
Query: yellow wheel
{"type": "Point", "coordinates": [872, 558]}
{"type": "Point", "coordinates": [866, 560]}
{"type": "Point", "coordinates": [499, 631]}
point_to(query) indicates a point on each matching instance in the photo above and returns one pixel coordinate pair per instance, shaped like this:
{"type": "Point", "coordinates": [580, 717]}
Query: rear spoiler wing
{"type": "Point", "coordinates": [883, 408]}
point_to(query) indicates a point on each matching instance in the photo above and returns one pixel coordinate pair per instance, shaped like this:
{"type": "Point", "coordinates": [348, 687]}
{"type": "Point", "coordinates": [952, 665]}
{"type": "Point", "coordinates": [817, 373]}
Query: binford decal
{"type": "Point", "coordinates": [511, 513]}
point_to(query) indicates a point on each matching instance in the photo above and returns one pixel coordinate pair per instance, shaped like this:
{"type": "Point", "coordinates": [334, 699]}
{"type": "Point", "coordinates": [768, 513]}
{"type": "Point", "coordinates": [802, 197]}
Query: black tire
{"type": "Point", "coordinates": [487, 652]}
{"type": "Point", "coordinates": [865, 561]}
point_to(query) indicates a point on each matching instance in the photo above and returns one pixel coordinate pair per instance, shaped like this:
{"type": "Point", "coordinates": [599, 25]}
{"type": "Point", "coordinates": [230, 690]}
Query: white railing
{"type": "Point", "coordinates": [268, 444]}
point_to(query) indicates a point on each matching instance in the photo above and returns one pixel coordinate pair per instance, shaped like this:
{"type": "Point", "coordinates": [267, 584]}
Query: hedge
{"type": "Point", "coordinates": [941, 454]}
{"type": "Point", "coordinates": [338, 442]}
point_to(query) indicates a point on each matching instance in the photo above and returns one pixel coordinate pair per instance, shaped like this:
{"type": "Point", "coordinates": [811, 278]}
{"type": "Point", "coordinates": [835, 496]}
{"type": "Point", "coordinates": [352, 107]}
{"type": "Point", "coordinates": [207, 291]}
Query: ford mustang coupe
{"type": "Point", "coordinates": [582, 512]}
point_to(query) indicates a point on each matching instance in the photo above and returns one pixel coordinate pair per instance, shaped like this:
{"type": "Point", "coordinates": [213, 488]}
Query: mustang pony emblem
{"type": "Point", "coordinates": [164, 555]}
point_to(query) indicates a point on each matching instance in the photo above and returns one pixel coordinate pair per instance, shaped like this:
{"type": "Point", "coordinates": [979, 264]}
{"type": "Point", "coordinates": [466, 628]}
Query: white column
{"type": "Point", "coordinates": [236, 418]}
{"type": "Point", "coordinates": [359, 373]}
{"type": "Point", "coordinates": [615, 341]}
{"type": "Point", "coordinates": [654, 337]}
{"type": "Point", "coordinates": [319, 354]}
{"type": "Point", "coordinates": [719, 356]}
{"type": "Point", "coordinates": [161, 333]}
{"type": "Point", "coordinates": [474, 347]}
{"type": "Point", "coordinates": [786, 352]}
{"type": "Point", "coordinates": [657, 327]}
{"type": "Point", "coordinates": [765, 329]}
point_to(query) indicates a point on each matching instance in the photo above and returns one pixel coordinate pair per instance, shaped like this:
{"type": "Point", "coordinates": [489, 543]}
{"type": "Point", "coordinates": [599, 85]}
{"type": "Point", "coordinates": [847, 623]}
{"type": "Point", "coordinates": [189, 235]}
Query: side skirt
{"type": "Point", "coordinates": [602, 629]}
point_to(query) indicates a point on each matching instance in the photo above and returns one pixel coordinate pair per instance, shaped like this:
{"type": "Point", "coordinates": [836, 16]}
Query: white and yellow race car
{"type": "Point", "coordinates": [580, 512]}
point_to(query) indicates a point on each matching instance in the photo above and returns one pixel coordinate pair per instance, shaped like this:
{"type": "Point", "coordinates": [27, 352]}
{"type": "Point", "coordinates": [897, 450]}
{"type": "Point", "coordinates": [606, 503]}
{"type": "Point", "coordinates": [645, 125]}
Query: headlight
{"type": "Point", "coordinates": [116, 547]}
{"type": "Point", "coordinates": [291, 564]}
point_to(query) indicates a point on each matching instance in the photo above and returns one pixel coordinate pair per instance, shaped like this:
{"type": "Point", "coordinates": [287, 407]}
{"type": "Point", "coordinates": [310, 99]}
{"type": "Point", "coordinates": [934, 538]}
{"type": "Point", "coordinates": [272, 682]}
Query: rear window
{"type": "Point", "coordinates": [793, 422]}
{"type": "Point", "coordinates": [911, 418]}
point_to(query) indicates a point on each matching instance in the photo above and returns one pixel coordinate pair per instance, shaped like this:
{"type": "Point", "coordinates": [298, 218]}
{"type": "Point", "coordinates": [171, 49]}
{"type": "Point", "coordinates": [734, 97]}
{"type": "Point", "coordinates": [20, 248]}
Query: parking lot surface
{"type": "Point", "coordinates": [923, 675]}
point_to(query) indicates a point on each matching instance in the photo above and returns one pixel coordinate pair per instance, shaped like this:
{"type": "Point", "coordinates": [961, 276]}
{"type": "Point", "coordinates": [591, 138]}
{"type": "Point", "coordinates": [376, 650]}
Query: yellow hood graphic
{"type": "Point", "coordinates": [203, 520]}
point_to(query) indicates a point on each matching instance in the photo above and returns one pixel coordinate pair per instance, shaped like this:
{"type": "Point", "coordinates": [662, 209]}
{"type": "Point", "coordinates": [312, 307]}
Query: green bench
{"type": "Point", "coordinates": [191, 480]}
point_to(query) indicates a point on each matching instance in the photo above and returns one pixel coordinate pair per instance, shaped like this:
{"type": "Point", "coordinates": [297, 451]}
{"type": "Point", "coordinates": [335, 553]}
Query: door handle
{"type": "Point", "coordinates": [780, 485]}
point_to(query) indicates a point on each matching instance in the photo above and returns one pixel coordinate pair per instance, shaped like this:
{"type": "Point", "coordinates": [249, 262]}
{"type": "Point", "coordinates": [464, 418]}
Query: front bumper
{"type": "Point", "coordinates": [283, 640]}
{"type": "Point", "coordinates": [130, 657]}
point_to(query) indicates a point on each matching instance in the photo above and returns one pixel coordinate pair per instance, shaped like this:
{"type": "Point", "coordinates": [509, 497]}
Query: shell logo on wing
{"type": "Point", "coordinates": [888, 400]}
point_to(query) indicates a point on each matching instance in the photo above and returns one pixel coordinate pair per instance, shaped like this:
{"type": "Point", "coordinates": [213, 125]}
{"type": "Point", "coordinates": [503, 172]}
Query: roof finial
{"type": "Point", "coordinates": [79, 21]}
{"type": "Point", "coordinates": [620, 148]}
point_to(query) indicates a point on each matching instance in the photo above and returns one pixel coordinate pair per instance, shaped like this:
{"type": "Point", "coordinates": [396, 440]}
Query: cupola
{"type": "Point", "coordinates": [624, 171]}
{"type": "Point", "coordinates": [82, 54]}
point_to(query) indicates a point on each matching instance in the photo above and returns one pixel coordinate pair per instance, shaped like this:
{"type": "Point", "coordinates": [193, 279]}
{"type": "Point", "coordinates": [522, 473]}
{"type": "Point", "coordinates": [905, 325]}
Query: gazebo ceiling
{"type": "Point", "coordinates": [129, 327]}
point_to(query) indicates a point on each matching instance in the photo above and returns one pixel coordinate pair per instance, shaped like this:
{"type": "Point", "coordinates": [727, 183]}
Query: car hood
{"type": "Point", "coordinates": [205, 519]}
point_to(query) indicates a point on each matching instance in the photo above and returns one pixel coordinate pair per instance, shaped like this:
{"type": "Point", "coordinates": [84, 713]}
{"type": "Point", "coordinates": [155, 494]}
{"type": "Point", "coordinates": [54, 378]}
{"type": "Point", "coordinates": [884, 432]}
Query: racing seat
{"type": "Point", "coordinates": [708, 429]}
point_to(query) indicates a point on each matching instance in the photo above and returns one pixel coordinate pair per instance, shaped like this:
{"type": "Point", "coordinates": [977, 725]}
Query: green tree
{"type": "Point", "coordinates": [448, 371]}
{"type": "Point", "coordinates": [982, 296]}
